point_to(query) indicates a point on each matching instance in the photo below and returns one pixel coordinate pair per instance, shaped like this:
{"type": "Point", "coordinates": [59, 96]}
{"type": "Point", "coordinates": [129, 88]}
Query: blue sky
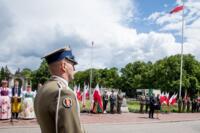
{"type": "Point", "coordinates": [145, 8]}
{"type": "Point", "coordinates": [123, 31]}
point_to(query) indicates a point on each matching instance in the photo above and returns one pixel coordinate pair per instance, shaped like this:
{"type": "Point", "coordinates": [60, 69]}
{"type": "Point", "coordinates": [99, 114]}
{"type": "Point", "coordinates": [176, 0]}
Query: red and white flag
{"type": "Point", "coordinates": [162, 98]}
{"type": "Point", "coordinates": [84, 95]}
{"type": "Point", "coordinates": [176, 9]}
{"type": "Point", "coordinates": [173, 99]}
{"type": "Point", "coordinates": [165, 99]}
{"type": "Point", "coordinates": [170, 100]}
{"type": "Point", "coordinates": [78, 93]}
{"type": "Point", "coordinates": [97, 96]}
{"type": "Point", "coordinates": [87, 95]}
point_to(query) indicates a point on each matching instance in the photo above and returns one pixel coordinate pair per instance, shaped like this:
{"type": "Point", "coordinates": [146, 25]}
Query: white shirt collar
{"type": "Point", "coordinates": [62, 79]}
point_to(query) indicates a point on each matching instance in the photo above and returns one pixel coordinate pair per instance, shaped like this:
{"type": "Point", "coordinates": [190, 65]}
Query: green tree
{"type": "Point", "coordinates": [136, 75]}
{"type": "Point", "coordinates": [167, 74]}
{"type": "Point", "coordinates": [40, 75]}
{"type": "Point", "coordinates": [2, 74]}
{"type": "Point", "coordinates": [27, 73]}
{"type": "Point", "coordinates": [104, 77]}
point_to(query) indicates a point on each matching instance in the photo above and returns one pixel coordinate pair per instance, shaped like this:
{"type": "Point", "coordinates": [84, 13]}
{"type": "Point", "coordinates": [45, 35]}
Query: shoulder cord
{"type": "Point", "coordinates": [57, 108]}
{"type": "Point", "coordinates": [58, 102]}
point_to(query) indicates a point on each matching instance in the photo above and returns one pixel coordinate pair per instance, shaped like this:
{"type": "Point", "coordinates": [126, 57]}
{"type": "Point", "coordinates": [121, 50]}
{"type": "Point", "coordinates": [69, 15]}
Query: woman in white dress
{"type": "Point", "coordinates": [27, 104]}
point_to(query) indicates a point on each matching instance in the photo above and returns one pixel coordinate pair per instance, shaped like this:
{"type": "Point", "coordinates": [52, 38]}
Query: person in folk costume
{"type": "Point", "coordinates": [27, 104]}
{"type": "Point", "coordinates": [97, 103]}
{"type": "Point", "coordinates": [16, 99]}
{"type": "Point", "coordinates": [5, 106]}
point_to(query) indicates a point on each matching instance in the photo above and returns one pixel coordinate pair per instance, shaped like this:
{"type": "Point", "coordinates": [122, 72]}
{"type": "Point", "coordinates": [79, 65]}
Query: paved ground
{"type": "Point", "coordinates": [114, 118]}
{"type": "Point", "coordinates": [167, 127]}
{"type": "Point", "coordinates": [124, 123]}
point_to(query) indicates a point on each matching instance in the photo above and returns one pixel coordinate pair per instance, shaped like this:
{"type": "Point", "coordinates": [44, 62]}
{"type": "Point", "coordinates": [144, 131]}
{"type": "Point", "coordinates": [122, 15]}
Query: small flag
{"type": "Point", "coordinates": [78, 93]}
{"type": "Point", "coordinates": [177, 9]}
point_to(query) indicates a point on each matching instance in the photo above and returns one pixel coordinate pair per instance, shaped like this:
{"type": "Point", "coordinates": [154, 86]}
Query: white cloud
{"type": "Point", "coordinates": [154, 16]}
{"type": "Point", "coordinates": [173, 23]}
{"type": "Point", "coordinates": [38, 27]}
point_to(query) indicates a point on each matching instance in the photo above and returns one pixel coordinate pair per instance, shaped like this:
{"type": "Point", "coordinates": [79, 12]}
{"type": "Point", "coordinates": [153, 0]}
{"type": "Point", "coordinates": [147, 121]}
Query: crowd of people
{"type": "Point", "coordinates": [115, 101]}
{"type": "Point", "coordinates": [189, 105]}
{"type": "Point", "coordinates": [16, 102]}
{"type": "Point", "coordinates": [151, 104]}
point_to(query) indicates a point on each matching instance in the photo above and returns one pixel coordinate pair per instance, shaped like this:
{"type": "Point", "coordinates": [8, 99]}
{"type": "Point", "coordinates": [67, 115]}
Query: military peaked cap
{"type": "Point", "coordinates": [63, 53]}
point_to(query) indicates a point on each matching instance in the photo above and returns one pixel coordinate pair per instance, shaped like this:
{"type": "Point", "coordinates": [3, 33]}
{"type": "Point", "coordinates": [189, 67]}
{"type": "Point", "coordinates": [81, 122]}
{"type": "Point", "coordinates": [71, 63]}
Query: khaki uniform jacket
{"type": "Point", "coordinates": [45, 109]}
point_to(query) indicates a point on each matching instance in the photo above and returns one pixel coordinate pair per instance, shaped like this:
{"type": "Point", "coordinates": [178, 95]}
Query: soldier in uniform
{"type": "Point", "coordinates": [112, 102]}
{"type": "Point", "coordinates": [105, 100]}
{"type": "Point", "coordinates": [56, 106]}
{"type": "Point", "coordinates": [184, 103]}
{"type": "Point", "coordinates": [119, 101]}
{"type": "Point", "coordinates": [147, 102]}
{"type": "Point", "coordinates": [142, 103]}
{"type": "Point", "coordinates": [188, 104]}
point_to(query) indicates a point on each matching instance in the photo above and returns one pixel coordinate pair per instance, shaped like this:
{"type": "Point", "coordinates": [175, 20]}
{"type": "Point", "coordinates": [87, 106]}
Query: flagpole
{"type": "Point", "coordinates": [182, 41]}
{"type": "Point", "coordinates": [91, 72]}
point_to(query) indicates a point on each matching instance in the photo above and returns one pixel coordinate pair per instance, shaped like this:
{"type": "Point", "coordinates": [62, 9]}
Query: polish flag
{"type": "Point", "coordinates": [87, 93]}
{"type": "Point", "coordinates": [97, 96]}
{"type": "Point", "coordinates": [176, 9]}
{"type": "Point", "coordinates": [84, 95]}
{"type": "Point", "coordinates": [78, 93]}
{"type": "Point", "coordinates": [166, 99]}
{"type": "Point", "coordinates": [162, 98]}
{"type": "Point", "coordinates": [171, 98]}
{"type": "Point", "coordinates": [173, 101]}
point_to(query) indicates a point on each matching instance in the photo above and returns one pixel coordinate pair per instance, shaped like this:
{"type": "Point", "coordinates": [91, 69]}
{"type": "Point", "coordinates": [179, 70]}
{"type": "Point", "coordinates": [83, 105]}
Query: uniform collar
{"type": "Point", "coordinates": [60, 78]}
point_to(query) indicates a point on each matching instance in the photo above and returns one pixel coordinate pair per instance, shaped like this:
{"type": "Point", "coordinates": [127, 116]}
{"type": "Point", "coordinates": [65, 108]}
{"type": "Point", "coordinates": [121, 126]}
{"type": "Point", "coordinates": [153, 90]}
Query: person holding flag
{"type": "Point", "coordinates": [97, 101]}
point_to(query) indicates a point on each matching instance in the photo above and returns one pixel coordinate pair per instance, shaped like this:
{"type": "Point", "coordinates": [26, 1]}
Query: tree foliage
{"type": "Point", "coordinates": [163, 74]}
{"type": "Point", "coordinates": [41, 75]}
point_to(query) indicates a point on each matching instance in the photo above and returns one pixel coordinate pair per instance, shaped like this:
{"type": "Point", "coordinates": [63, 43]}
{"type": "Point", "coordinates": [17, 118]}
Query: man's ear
{"type": "Point", "coordinates": [63, 66]}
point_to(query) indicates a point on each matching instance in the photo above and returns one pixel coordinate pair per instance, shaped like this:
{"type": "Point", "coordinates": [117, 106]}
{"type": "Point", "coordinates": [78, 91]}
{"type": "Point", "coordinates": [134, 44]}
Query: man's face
{"type": "Point", "coordinates": [70, 69]}
{"type": "Point", "coordinates": [16, 83]}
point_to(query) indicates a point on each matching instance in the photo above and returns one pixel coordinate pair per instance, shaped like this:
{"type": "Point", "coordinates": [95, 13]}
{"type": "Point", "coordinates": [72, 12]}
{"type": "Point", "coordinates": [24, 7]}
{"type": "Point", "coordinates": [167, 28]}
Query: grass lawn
{"type": "Point", "coordinates": [134, 106]}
